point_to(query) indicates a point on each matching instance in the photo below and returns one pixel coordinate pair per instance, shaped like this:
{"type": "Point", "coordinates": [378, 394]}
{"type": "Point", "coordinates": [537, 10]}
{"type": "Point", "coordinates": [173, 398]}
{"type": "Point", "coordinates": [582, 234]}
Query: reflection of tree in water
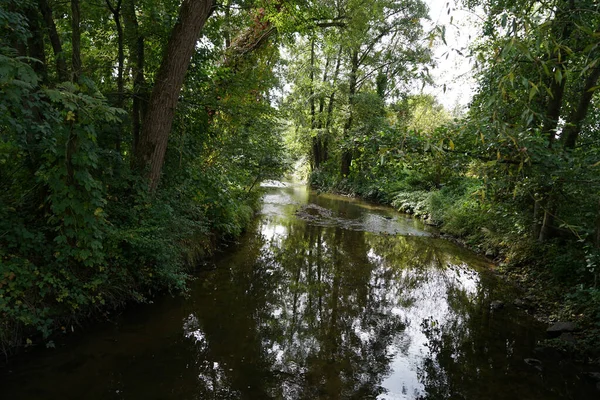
{"type": "Point", "coordinates": [302, 320]}
{"type": "Point", "coordinates": [336, 332]}
{"type": "Point", "coordinates": [312, 312]}
{"type": "Point", "coordinates": [474, 353]}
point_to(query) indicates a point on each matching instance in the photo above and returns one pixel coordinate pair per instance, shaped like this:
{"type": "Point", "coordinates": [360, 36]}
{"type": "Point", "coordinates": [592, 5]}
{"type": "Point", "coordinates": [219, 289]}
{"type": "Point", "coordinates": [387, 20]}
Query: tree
{"type": "Point", "coordinates": [156, 127]}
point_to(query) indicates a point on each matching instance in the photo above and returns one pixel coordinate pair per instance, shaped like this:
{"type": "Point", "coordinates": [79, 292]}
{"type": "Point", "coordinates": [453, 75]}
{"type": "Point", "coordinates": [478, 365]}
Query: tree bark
{"type": "Point", "coordinates": [320, 139]}
{"type": "Point", "coordinates": [116, 12]}
{"type": "Point", "coordinates": [557, 87]}
{"type": "Point", "coordinates": [564, 26]}
{"type": "Point", "coordinates": [347, 152]}
{"type": "Point", "coordinates": [35, 44]}
{"type": "Point", "coordinates": [553, 110]}
{"type": "Point", "coordinates": [135, 43]}
{"type": "Point", "coordinates": [575, 121]}
{"type": "Point", "coordinates": [150, 152]}
{"type": "Point", "coordinates": [332, 95]}
{"type": "Point", "coordinates": [76, 39]}
{"type": "Point", "coordinates": [61, 63]}
{"type": "Point", "coordinates": [316, 154]}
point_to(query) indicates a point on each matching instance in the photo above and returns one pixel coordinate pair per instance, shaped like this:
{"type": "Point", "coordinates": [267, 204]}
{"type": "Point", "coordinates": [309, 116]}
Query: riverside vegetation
{"type": "Point", "coordinates": [134, 133]}
{"type": "Point", "coordinates": [514, 176]}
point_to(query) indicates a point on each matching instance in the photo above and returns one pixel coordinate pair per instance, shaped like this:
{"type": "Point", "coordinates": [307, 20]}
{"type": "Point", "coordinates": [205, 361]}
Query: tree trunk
{"type": "Point", "coordinates": [573, 125]}
{"type": "Point", "coordinates": [332, 95]}
{"type": "Point", "coordinates": [564, 26]}
{"type": "Point", "coordinates": [61, 63]}
{"type": "Point", "coordinates": [553, 110]}
{"type": "Point", "coordinates": [135, 43]}
{"type": "Point", "coordinates": [550, 210]}
{"type": "Point", "coordinates": [320, 137]}
{"type": "Point", "coordinates": [557, 86]}
{"type": "Point", "coordinates": [116, 12]}
{"type": "Point", "coordinates": [311, 99]}
{"type": "Point", "coordinates": [346, 161]}
{"type": "Point", "coordinates": [76, 39]}
{"type": "Point", "coordinates": [35, 44]}
{"type": "Point", "coordinates": [150, 152]}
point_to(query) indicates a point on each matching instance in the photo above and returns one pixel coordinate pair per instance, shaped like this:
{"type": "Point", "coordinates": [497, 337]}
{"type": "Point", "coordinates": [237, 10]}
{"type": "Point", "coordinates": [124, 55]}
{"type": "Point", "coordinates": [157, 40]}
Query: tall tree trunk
{"type": "Point", "coordinates": [320, 138]}
{"type": "Point", "coordinates": [347, 151]}
{"type": "Point", "coordinates": [76, 39]}
{"type": "Point", "coordinates": [35, 44]}
{"type": "Point", "coordinates": [553, 109]}
{"type": "Point", "coordinates": [573, 125]}
{"type": "Point", "coordinates": [150, 152]}
{"type": "Point", "coordinates": [135, 43]}
{"type": "Point", "coordinates": [59, 56]}
{"type": "Point", "coordinates": [331, 103]}
{"type": "Point", "coordinates": [564, 26]}
{"type": "Point", "coordinates": [311, 100]}
{"type": "Point", "coordinates": [330, 106]}
{"type": "Point", "coordinates": [116, 12]}
{"type": "Point", "coordinates": [316, 156]}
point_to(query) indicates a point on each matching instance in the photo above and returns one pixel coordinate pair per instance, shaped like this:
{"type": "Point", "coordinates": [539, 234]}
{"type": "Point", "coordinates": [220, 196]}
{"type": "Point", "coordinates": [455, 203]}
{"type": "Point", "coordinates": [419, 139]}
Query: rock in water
{"type": "Point", "coordinates": [535, 363]}
{"type": "Point", "coordinates": [559, 328]}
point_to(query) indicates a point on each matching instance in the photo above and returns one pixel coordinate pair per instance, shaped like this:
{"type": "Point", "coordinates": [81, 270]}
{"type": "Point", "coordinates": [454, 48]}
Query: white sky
{"type": "Point", "coordinates": [455, 71]}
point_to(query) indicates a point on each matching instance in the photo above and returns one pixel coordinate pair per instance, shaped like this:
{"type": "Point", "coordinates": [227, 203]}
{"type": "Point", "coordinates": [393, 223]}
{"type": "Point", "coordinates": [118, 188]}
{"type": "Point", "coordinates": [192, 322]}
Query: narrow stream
{"type": "Point", "coordinates": [325, 297]}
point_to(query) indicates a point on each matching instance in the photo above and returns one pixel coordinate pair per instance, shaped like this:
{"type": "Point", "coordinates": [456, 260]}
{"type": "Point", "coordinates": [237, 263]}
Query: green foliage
{"type": "Point", "coordinates": [79, 231]}
{"type": "Point", "coordinates": [516, 177]}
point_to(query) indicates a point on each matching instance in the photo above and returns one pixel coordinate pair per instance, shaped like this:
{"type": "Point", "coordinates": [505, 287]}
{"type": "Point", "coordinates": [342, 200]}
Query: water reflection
{"type": "Point", "coordinates": [340, 313]}
{"type": "Point", "coordinates": [306, 310]}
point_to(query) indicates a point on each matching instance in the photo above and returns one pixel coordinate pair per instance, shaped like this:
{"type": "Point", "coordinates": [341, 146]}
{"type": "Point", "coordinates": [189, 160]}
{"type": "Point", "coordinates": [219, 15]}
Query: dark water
{"type": "Point", "coordinates": [324, 298]}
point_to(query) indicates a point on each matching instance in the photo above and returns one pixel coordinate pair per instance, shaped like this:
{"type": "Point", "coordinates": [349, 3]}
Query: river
{"type": "Point", "coordinates": [325, 297]}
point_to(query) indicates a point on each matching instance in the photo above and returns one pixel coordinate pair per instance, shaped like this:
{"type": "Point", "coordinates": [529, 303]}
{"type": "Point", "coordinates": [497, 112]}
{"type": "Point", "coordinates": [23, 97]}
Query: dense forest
{"type": "Point", "coordinates": [135, 133]}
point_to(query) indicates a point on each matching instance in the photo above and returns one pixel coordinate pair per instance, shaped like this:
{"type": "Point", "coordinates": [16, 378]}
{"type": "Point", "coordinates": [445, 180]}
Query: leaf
{"type": "Point", "coordinates": [558, 75]}
{"type": "Point", "coordinates": [533, 91]}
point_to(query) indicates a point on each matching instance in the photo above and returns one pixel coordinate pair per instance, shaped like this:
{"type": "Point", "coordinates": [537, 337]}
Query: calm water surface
{"type": "Point", "coordinates": [324, 298]}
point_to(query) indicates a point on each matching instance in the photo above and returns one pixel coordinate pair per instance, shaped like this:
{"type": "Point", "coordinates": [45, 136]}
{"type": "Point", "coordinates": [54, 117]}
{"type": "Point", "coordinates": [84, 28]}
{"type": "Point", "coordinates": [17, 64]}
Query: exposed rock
{"type": "Point", "coordinates": [496, 305]}
{"type": "Point", "coordinates": [559, 328]}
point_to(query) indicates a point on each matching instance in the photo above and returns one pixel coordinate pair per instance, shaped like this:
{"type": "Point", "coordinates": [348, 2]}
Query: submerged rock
{"type": "Point", "coordinates": [559, 328]}
{"type": "Point", "coordinates": [534, 362]}
{"type": "Point", "coordinates": [593, 376]}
